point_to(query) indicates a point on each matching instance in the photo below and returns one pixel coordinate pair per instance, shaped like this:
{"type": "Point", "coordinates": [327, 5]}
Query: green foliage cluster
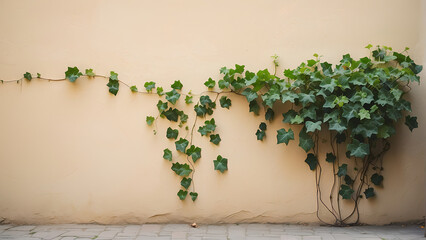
{"type": "Point", "coordinates": [357, 103]}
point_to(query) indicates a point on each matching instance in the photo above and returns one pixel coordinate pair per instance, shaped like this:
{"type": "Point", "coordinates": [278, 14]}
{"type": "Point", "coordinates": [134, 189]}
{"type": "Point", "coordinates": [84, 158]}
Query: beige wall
{"type": "Point", "coordinates": [75, 153]}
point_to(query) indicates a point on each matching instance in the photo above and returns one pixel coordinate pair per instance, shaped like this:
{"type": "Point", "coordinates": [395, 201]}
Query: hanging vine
{"type": "Point", "coordinates": [355, 104]}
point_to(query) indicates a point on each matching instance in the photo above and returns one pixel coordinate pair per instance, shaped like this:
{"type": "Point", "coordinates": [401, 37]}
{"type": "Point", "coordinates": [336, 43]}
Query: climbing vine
{"type": "Point", "coordinates": [352, 106]}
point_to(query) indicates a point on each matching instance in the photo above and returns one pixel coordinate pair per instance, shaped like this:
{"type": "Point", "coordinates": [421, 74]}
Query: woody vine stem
{"type": "Point", "coordinates": [352, 107]}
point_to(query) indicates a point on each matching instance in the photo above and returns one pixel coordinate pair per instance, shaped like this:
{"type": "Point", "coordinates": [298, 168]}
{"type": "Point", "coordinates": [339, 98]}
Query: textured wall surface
{"type": "Point", "coordinates": [76, 153]}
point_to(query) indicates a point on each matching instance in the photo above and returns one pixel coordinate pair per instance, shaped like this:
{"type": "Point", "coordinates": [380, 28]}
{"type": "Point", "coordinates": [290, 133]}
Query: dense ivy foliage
{"type": "Point", "coordinates": [356, 104]}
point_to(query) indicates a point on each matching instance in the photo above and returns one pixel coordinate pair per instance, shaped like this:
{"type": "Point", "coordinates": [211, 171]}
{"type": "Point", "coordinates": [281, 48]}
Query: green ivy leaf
{"type": "Point", "coordinates": [358, 149]}
{"type": "Point", "coordinates": [193, 195]}
{"type": "Point", "coordinates": [215, 138]}
{"type": "Point", "coordinates": [210, 83]}
{"type": "Point", "coordinates": [250, 94]}
{"type": "Point", "coordinates": [186, 182]}
{"type": "Point", "coordinates": [172, 96]}
{"type": "Point", "coordinates": [223, 84]}
{"type": "Point", "coordinates": [305, 140]}
{"type": "Point", "coordinates": [385, 131]}
{"type": "Point", "coordinates": [182, 194]}
{"type": "Point", "coordinates": [200, 110]}
{"type": "Point", "coordinates": [364, 114]}
{"type": "Point", "coordinates": [112, 84]}
{"type": "Point", "coordinates": [181, 145]}
{"type": "Point", "coordinates": [177, 85]}
{"type": "Point", "coordinates": [369, 192]}
{"type": "Point", "coordinates": [28, 76]}
{"type": "Point", "coordinates": [329, 84]}
{"type": "Point", "coordinates": [89, 72]}
{"type": "Point", "coordinates": [411, 122]}
{"type": "Point", "coordinates": [225, 102]}
{"type": "Point", "coordinates": [377, 179]}
{"type": "Point", "coordinates": [149, 86]}
{"type": "Point", "coordinates": [289, 116]}
{"type": "Point", "coordinates": [183, 118]}
{"type": "Point", "coordinates": [167, 154]}
{"type": "Point", "coordinates": [72, 74]}
{"type": "Point", "coordinates": [205, 100]}
{"type": "Point", "coordinates": [262, 126]}
{"type": "Point", "coordinates": [260, 135]}
{"type": "Point", "coordinates": [269, 115]}
{"type": "Point", "coordinates": [289, 96]}
{"type": "Point", "coordinates": [172, 114]}
{"type": "Point", "coordinates": [348, 180]}
{"type": "Point", "coordinates": [345, 191]}
{"type": "Point", "coordinates": [254, 107]}
{"type": "Point", "coordinates": [337, 124]}
{"type": "Point", "coordinates": [162, 106]}
{"type": "Point", "coordinates": [133, 88]}
{"type": "Point", "coordinates": [38, 75]}
{"type": "Point", "coordinates": [181, 169]}
{"type": "Point", "coordinates": [150, 120]}
{"type": "Point", "coordinates": [209, 127]}
{"type": "Point", "coordinates": [305, 99]}
{"type": "Point", "coordinates": [188, 99]}
{"type": "Point", "coordinates": [313, 126]}
{"type": "Point", "coordinates": [312, 161]}
{"type": "Point", "coordinates": [194, 152]}
{"type": "Point", "coordinates": [172, 133]}
{"type": "Point", "coordinates": [330, 157]}
{"type": "Point", "coordinates": [284, 137]}
{"type": "Point", "coordinates": [220, 164]}
{"type": "Point", "coordinates": [343, 169]}
{"type": "Point", "coordinates": [160, 91]}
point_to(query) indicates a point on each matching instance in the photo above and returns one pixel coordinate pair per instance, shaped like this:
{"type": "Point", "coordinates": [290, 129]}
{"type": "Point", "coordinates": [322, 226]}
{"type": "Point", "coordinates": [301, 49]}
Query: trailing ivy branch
{"type": "Point", "coordinates": [355, 104]}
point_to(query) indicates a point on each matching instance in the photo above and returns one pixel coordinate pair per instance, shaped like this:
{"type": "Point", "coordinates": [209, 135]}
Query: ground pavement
{"type": "Point", "coordinates": [209, 232]}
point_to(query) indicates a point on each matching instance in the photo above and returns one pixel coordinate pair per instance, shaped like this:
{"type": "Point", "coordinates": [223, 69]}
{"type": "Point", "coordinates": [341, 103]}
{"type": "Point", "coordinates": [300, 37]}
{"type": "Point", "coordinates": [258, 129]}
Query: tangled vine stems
{"type": "Point", "coordinates": [356, 103]}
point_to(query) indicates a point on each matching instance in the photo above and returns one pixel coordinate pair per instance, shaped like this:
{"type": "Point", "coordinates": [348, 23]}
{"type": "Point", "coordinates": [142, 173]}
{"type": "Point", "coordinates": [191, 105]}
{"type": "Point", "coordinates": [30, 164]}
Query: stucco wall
{"type": "Point", "coordinates": [76, 153]}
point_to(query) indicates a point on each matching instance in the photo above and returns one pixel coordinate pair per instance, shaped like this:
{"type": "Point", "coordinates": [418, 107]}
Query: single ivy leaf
{"type": "Point", "coordinates": [343, 169]}
{"type": "Point", "coordinates": [113, 84]}
{"type": "Point", "coordinates": [254, 107]}
{"type": "Point", "coordinates": [194, 152]}
{"type": "Point", "coordinates": [215, 138]}
{"type": "Point", "coordinates": [250, 94]}
{"type": "Point", "coordinates": [269, 115]}
{"type": "Point", "coordinates": [411, 122]}
{"type": "Point", "coordinates": [239, 68]}
{"type": "Point", "coordinates": [172, 133]}
{"type": "Point", "coordinates": [186, 182]}
{"type": "Point", "coordinates": [181, 145]}
{"type": "Point", "coordinates": [289, 116]}
{"type": "Point", "coordinates": [181, 169]}
{"type": "Point", "coordinates": [182, 194]}
{"type": "Point", "coordinates": [377, 179]}
{"type": "Point", "coordinates": [72, 74]}
{"type": "Point", "coordinates": [220, 164]}
{"type": "Point", "coordinates": [38, 75]}
{"type": "Point", "coordinates": [162, 106]}
{"type": "Point", "coordinates": [160, 91]}
{"type": "Point", "coordinates": [305, 99]}
{"type": "Point", "coordinates": [348, 180]}
{"type": "Point", "coordinates": [177, 85]}
{"type": "Point", "coordinates": [210, 83]}
{"type": "Point", "coordinates": [329, 84]}
{"type": "Point", "coordinates": [172, 96]}
{"type": "Point", "coordinates": [358, 149]}
{"type": "Point", "coordinates": [223, 84]}
{"type": "Point", "coordinates": [225, 102]}
{"type": "Point", "coordinates": [193, 195]}
{"type": "Point", "coordinates": [133, 88]}
{"type": "Point", "coordinates": [262, 126]}
{"type": "Point", "coordinates": [205, 100]}
{"type": "Point", "coordinates": [260, 135]}
{"type": "Point", "coordinates": [150, 120]}
{"type": "Point", "coordinates": [313, 126]}
{"type": "Point", "coordinates": [330, 157]}
{"type": "Point", "coordinates": [90, 73]}
{"type": "Point", "coordinates": [312, 161]}
{"type": "Point", "coordinates": [369, 192]}
{"type": "Point", "coordinates": [172, 114]}
{"type": "Point", "coordinates": [149, 86]}
{"type": "Point", "coordinates": [200, 110]}
{"type": "Point", "coordinates": [167, 154]}
{"type": "Point", "coordinates": [183, 118]}
{"type": "Point", "coordinates": [385, 131]}
{"type": "Point", "coordinates": [188, 99]}
{"type": "Point", "coordinates": [289, 96]}
{"type": "Point", "coordinates": [364, 114]}
{"type": "Point", "coordinates": [28, 76]}
{"type": "Point", "coordinates": [305, 140]}
{"type": "Point", "coordinates": [284, 137]}
{"type": "Point", "coordinates": [345, 191]}
{"type": "Point", "coordinates": [337, 124]}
